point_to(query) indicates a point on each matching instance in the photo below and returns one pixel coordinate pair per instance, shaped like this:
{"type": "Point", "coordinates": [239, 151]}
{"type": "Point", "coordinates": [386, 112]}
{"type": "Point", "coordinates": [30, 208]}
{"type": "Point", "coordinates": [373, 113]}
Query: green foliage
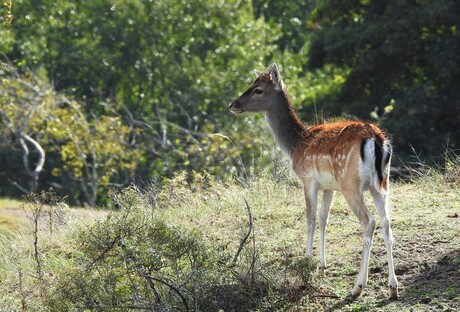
{"type": "Point", "coordinates": [169, 69]}
{"type": "Point", "coordinates": [400, 54]}
{"type": "Point", "coordinates": [137, 258]}
{"type": "Point", "coordinates": [93, 152]}
{"type": "Point", "coordinates": [147, 82]}
{"type": "Point", "coordinates": [8, 17]}
{"type": "Point", "coordinates": [304, 267]}
{"type": "Point", "coordinates": [130, 259]}
{"type": "Point", "coordinates": [293, 18]}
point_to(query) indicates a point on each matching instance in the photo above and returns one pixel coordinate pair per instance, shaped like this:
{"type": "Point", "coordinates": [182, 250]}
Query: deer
{"type": "Point", "coordinates": [350, 156]}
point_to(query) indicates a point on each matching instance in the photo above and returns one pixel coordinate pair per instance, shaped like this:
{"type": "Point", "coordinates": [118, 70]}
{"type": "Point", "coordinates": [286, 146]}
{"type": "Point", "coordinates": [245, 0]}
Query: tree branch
{"type": "Point", "coordinates": [171, 287]}
{"type": "Point", "coordinates": [25, 158]}
{"type": "Point", "coordinates": [40, 150]}
{"type": "Point", "coordinates": [245, 238]}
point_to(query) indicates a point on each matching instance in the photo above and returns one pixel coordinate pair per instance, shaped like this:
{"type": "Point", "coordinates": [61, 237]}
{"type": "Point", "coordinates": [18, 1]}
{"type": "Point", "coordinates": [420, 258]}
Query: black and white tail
{"type": "Point", "coordinates": [376, 154]}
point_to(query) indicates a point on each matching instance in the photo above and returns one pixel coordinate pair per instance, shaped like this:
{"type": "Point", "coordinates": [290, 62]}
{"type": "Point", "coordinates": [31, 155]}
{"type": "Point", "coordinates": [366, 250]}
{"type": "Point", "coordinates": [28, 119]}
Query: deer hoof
{"type": "Point", "coordinates": [321, 271]}
{"type": "Point", "coordinates": [357, 290]}
{"type": "Point", "coordinates": [394, 293]}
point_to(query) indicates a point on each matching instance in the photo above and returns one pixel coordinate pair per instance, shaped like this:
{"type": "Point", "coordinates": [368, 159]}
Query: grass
{"type": "Point", "coordinates": [425, 224]}
{"type": "Point", "coordinates": [11, 217]}
{"type": "Point", "coordinates": [13, 214]}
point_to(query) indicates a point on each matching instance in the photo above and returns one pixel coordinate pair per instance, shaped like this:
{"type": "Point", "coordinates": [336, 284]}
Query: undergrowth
{"type": "Point", "coordinates": [193, 244]}
{"type": "Point", "coordinates": [151, 253]}
{"type": "Point", "coordinates": [448, 171]}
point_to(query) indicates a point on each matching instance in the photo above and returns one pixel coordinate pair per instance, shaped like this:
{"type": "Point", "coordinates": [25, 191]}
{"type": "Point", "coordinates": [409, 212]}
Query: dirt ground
{"type": "Point", "coordinates": [426, 255]}
{"type": "Point", "coordinates": [430, 283]}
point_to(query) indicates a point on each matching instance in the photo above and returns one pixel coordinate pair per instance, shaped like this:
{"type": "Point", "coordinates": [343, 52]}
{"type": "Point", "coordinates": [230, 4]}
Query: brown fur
{"type": "Point", "coordinates": [332, 140]}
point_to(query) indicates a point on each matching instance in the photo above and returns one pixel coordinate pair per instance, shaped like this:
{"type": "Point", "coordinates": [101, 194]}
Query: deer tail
{"type": "Point", "coordinates": [376, 153]}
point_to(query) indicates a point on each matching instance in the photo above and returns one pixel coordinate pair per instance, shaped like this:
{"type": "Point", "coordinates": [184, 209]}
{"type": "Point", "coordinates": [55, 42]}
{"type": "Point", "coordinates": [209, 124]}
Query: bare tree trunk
{"type": "Point", "coordinates": [34, 174]}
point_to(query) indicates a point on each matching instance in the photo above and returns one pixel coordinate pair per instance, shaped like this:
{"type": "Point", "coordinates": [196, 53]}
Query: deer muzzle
{"type": "Point", "coordinates": [236, 107]}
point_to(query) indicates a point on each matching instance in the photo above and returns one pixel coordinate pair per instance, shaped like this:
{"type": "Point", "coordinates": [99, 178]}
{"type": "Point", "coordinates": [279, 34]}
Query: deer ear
{"type": "Point", "coordinates": [276, 77]}
{"type": "Point", "coordinates": [258, 73]}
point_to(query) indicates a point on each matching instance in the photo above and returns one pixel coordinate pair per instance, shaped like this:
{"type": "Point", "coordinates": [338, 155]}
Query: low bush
{"type": "Point", "coordinates": [135, 258]}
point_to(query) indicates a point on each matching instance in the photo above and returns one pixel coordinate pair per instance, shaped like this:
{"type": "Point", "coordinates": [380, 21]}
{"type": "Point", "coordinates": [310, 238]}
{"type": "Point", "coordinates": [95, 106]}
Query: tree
{"type": "Point", "coordinates": [7, 17]}
{"type": "Point", "coordinates": [22, 101]}
{"type": "Point", "coordinates": [95, 152]}
{"type": "Point", "coordinates": [92, 152]}
{"type": "Point", "coordinates": [292, 16]}
{"type": "Point", "coordinates": [167, 68]}
{"type": "Point", "coordinates": [403, 63]}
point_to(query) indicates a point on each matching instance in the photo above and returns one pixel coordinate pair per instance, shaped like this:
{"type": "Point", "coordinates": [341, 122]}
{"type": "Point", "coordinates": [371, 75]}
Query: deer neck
{"type": "Point", "coordinates": [284, 123]}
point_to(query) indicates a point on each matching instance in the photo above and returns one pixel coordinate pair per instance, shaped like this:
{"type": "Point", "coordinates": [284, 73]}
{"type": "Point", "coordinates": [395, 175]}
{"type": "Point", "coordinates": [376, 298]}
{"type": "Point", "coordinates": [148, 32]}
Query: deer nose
{"type": "Point", "coordinates": [234, 104]}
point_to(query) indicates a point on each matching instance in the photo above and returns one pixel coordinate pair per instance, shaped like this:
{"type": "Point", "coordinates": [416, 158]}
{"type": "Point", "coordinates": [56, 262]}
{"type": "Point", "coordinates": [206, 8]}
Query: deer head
{"type": "Point", "coordinates": [261, 95]}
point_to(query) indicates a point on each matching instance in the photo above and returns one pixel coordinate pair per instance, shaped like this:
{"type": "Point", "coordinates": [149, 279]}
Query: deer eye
{"type": "Point", "coordinates": [258, 91]}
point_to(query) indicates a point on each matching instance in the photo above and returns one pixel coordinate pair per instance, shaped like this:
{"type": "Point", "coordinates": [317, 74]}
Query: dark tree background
{"type": "Point", "coordinates": [402, 55]}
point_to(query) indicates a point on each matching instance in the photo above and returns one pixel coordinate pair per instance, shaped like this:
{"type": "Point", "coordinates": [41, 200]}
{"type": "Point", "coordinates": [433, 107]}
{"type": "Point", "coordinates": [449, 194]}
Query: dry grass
{"type": "Point", "coordinates": [11, 215]}
{"type": "Point", "coordinates": [425, 221]}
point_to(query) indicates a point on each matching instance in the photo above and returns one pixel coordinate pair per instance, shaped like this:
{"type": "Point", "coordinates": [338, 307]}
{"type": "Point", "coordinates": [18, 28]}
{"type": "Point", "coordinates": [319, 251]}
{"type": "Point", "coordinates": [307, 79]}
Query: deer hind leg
{"type": "Point", "coordinates": [356, 202]}
{"type": "Point", "coordinates": [328, 196]}
{"type": "Point", "coordinates": [381, 202]}
{"type": "Point", "coordinates": [311, 198]}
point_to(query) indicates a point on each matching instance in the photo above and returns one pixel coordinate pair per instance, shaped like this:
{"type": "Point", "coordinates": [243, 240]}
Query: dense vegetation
{"type": "Point", "coordinates": [112, 92]}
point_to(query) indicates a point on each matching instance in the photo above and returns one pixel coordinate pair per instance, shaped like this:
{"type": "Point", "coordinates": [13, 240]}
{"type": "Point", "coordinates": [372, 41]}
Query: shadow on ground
{"type": "Point", "coordinates": [434, 287]}
{"type": "Point", "coordinates": [438, 285]}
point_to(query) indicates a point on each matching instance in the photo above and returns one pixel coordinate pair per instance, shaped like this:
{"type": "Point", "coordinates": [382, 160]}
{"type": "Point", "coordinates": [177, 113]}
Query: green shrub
{"type": "Point", "coordinates": [131, 260]}
{"type": "Point", "coordinates": [161, 249]}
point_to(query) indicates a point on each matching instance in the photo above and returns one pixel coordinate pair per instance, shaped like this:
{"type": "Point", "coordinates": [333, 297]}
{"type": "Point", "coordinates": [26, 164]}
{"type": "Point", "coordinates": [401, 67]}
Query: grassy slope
{"type": "Point", "coordinates": [426, 228]}
{"type": "Point", "coordinates": [425, 224]}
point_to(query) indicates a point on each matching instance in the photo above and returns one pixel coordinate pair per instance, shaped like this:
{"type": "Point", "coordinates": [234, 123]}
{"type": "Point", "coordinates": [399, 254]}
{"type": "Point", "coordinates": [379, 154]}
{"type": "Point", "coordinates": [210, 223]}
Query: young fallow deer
{"type": "Point", "coordinates": [348, 156]}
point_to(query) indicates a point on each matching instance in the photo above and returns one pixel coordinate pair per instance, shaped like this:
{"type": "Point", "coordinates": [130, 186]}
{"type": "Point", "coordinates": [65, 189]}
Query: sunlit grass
{"type": "Point", "coordinates": [11, 214]}
{"type": "Point", "coordinates": [425, 224]}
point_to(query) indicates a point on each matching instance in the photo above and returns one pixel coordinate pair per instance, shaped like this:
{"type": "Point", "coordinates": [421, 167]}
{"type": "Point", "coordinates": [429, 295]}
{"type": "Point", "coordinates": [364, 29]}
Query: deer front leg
{"type": "Point", "coordinates": [328, 196]}
{"type": "Point", "coordinates": [311, 197]}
